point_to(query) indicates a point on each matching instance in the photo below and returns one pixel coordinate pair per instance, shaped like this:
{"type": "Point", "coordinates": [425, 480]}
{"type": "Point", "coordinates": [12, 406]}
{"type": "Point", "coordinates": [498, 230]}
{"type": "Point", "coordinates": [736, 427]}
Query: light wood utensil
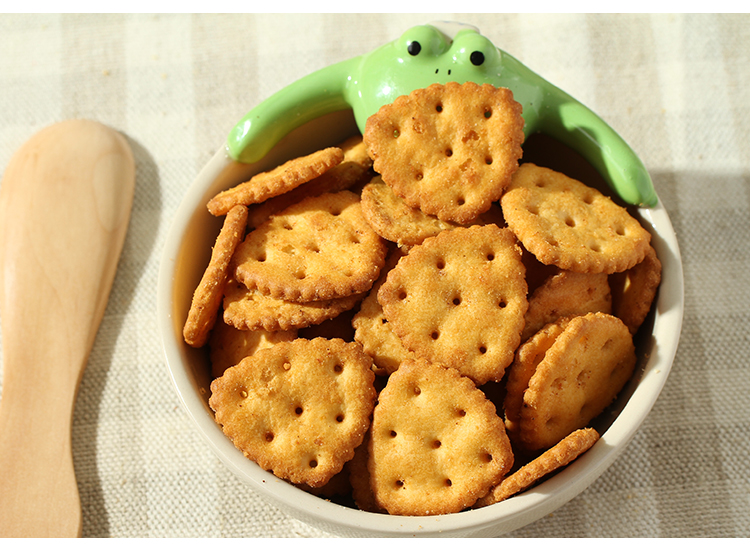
{"type": "Point", "coordinates": [65, 202]}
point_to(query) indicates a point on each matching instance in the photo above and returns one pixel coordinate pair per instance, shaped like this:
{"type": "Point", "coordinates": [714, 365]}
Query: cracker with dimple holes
{"type": "Point", "coordinates": [566, 294]}
{"type": "Point", "coordinates": [372, 330]}
{"type": "Point", "coordinates": [437, 443]}
{"type": "Point", "coordinates": [281, 179]}
{"type": "Point", "coordinates": [459, 299]}
{"type": "Point", "coordinates": [528, 356]}
{"type": "Point", "coordinates": [250, 310]}
{"type": "Point", "coordinates": [299, 409]}
{"type": "Point", "coordinates": [448, 149]}
{"type": "Point", "coordinates": [318, 249]}
{"type": "Point", "coordinates": [351, 171]}
{"type": "Point", "coordinates": [581, 374]}
{"type": "Point", "coordinates": [634, 290]}
{"type": "Point", "coordinates": [208, 296]}
{"type": "Point", "coordinates": [571, 225]}
{"type": "Point", "coordinates": [229, 346]}
{"type": "Point", "coordinates": [396, 221]}
{"type": "Point", "coordinates": [560, 455]}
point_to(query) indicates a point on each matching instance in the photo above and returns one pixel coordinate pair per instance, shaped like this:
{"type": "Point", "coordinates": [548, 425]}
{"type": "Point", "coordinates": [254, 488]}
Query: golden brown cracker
{"type": "Point", "coordinates": [396, 221]}
{"type": "Point", "coordinates": [399, 223]}
{"type": "Point", "coordinates": [359, 479]}
{"type": "Point", "coordinates": [251, 310]}
{"type": "Point", "coordinates": [353, 168]}
{"type": "Point", "coordinates": [580, 375]}
{"type": "Point", "coordinates": [318, 249]}
{"type": "Point", "coordinates": [208, 295]}
{"type": "Point", "coordinates": [527, 358]}
{"type": "Point", "coordinates": [437, 444]}
{"type": "Point", "coordinates": [229, 346]}
{"type": "Point", "coordinates": [570, 225]}
{"type": "Point", "coordinates": [372, 330]}
{"type": "Point", "coordinates": [459, 299]}
{"type": "Point", "coordinates": [634, 290]}
{"type": "Point", "coordinates": [281, 179]}
{"type": "Point", "coordinates": [566, 294]}
{"type": "Point", "coordinates": [448, 149]}
{"type": "Point", "coordinates": [560, 455]}
{"type": "Point", "coordinates": [299, 409]}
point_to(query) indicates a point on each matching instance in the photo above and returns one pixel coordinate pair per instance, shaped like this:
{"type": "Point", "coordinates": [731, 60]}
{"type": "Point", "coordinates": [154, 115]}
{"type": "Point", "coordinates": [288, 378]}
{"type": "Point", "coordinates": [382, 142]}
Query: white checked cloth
{"type": "Point", "coordinates": [674, 86]}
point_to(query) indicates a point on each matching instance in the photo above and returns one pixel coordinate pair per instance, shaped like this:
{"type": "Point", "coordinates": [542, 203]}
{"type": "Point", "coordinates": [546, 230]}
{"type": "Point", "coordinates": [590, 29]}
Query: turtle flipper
{"type": "Point", "coordinates": [574, 124]}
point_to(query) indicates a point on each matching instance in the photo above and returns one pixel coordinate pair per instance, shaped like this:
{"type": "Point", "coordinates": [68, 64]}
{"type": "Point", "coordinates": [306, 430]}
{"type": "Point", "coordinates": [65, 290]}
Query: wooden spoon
{"type": "Point", "coordinates": [65, 202]}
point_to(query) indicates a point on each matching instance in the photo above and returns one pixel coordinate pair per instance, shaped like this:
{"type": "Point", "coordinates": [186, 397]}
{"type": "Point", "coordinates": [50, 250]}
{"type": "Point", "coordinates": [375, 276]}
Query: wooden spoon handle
{"type": "Point", "coordinates": [38, 491]}
{"type": "Point", "coordinates": [65, 203]}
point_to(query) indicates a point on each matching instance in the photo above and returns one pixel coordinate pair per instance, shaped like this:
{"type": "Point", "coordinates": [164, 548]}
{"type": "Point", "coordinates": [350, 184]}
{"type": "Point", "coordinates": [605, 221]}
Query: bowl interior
{"type": "Point", "coordinates": [187, 252]}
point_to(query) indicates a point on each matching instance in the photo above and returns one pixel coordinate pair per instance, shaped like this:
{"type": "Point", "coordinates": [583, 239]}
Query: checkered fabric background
{"type": "Point", "coordinates": [674, 86]}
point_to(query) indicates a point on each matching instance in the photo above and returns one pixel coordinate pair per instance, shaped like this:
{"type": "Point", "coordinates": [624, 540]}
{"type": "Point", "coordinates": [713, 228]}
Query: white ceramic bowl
{"type": "Point", "coordinates": [184, 259]}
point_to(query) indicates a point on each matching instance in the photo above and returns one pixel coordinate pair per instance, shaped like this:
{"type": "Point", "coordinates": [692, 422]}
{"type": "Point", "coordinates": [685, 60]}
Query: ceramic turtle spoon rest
{"type": "Point", "coordinates": [441, 53]}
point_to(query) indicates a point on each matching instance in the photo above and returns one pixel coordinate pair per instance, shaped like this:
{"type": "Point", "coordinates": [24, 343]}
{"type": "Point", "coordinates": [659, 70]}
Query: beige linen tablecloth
{"type": "Point", "coordinates": [674, 86]}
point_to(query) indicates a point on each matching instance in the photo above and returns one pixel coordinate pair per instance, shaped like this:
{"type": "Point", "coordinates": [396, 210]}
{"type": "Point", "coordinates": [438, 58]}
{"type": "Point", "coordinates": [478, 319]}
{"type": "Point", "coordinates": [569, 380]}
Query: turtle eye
{"type": "Point", "coordinates": [413, 47]}
{"type": "Point", "coordinates": [477, 57]}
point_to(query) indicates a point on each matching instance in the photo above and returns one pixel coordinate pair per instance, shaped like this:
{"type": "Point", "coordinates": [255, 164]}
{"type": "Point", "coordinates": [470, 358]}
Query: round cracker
{"type": "Point", "coordinates": [249, 310]}
{"type": "Point", "coordinates": [560, 455]}
{"type": "Point", "coordinates": [448, 149]}
{"type": "Point", "coordinates": [436, 443]}
{"type": "Point", "coordinates": [352, 170]}
{"type": "Point", "coordinates": [527, 358]}
{"type": "Point", "coordinates": [634, 290]}
{"type": "Point", "coordinates": [299, 409]}
{"type": "Point", "coordinates": [566, 294]}
{"type": "Point", "coordinates": [580, 375]}
{"type": "Point", "coordinates": [207, 297]}
{"type": "Point", "coordinates": [318, 249]}
{"type": "Point", "coordinates": [459, 299]}
{"type": "Point", "coordinates": [372, 330]}
{"type": "Point", "coordinates": [564, 222]}
{"type": "Point", "coordinates": [396, 221]}
{"type": "Point", "coordinates": [281, 179]}
{"type": "Point", "coordinates": [229, 346]}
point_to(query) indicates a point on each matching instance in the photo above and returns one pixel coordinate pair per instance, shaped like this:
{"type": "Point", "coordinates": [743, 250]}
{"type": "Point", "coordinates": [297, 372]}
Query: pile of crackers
{"type": "Point", "coordinates": [414, 322]}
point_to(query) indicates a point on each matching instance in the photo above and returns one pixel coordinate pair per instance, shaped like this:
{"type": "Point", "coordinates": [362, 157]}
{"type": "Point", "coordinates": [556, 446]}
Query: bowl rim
{"type": "Point", "coordinates": [501, 517]}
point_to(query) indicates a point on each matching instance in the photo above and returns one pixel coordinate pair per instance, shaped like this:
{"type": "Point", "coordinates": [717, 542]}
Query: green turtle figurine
{"type": "Point", "coordinates": [439, 53]}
